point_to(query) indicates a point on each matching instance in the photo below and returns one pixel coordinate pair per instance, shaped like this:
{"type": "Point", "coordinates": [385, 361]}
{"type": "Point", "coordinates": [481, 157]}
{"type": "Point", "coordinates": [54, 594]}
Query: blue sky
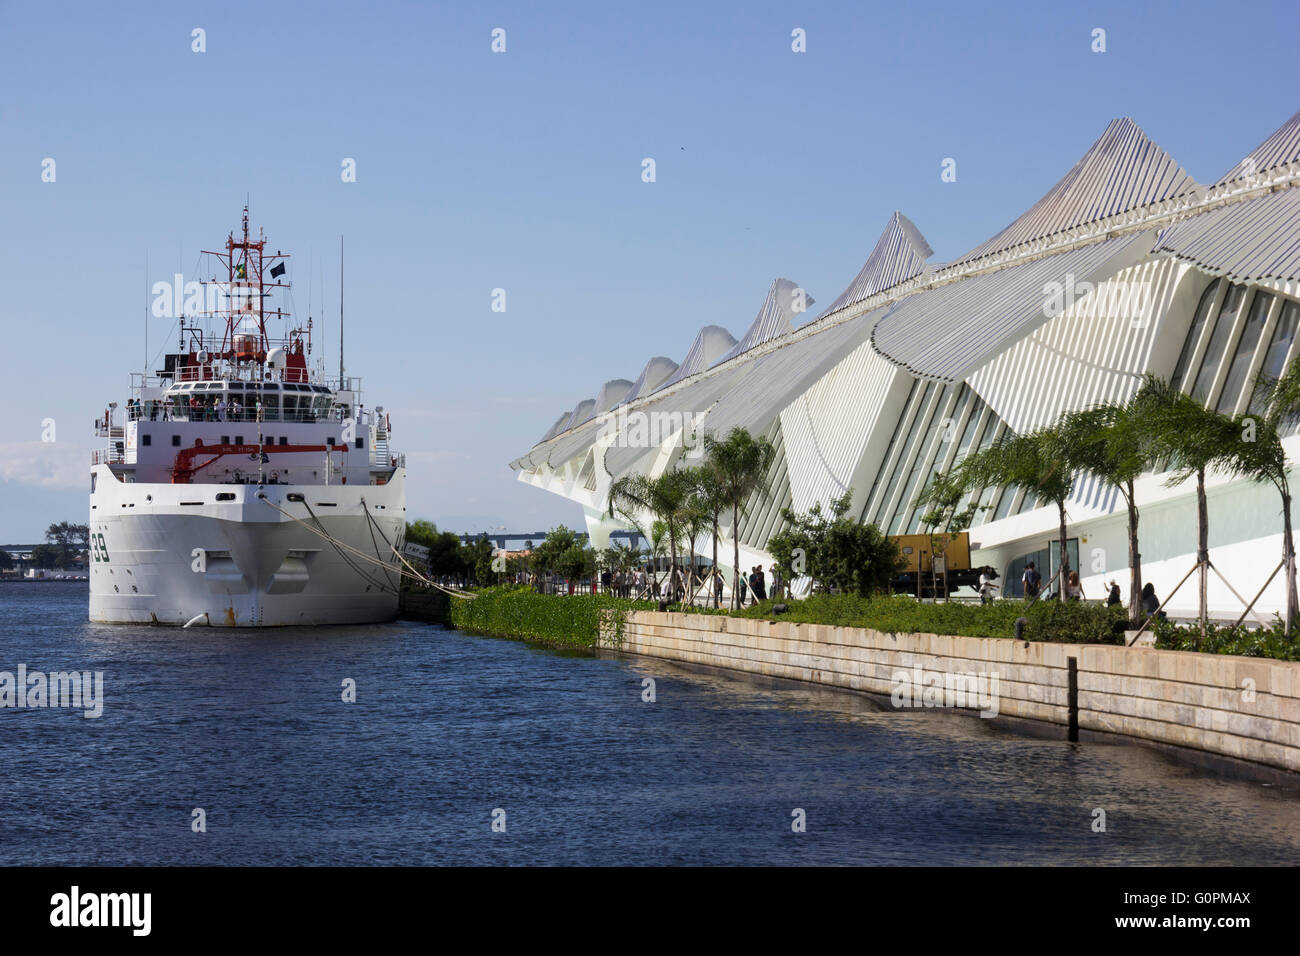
{"type": "Point", "coordinates": [522, 171]}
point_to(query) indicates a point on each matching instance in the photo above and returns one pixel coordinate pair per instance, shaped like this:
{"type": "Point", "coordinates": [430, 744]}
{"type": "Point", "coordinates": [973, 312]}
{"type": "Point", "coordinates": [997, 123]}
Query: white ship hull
{"type": "Point", "coordinates": [168, 553]}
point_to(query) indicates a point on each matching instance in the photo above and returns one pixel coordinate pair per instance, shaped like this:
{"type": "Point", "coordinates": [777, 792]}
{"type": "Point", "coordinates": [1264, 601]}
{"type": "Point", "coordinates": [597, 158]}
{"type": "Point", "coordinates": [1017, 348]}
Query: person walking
{"type": "Point", "coordinates": [1113, 598]}
{"type": "Point", "coordinates": [1073, 587]}
{"type": "Point", "coordinates": [1031, 580]}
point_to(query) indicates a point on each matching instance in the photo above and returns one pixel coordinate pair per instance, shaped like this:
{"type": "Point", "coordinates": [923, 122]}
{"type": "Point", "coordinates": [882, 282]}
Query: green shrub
{"type": "Point", "coordinates": [898, 614]}
{"type": "Point", "coordinates": [568, 621]}
{"type": "Point", "coordinates": [1272, 642]}
{"type": "Point", "coordinates": [1075, 622]}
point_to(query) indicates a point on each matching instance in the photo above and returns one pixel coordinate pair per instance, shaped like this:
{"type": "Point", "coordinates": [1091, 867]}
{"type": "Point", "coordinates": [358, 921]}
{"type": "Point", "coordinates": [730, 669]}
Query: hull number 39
{"type": "Point", "coordinates": [98, 549]}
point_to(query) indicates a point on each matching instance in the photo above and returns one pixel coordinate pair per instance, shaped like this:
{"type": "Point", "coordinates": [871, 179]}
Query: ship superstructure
{"type": "Point", "coordinates": [240, 485]}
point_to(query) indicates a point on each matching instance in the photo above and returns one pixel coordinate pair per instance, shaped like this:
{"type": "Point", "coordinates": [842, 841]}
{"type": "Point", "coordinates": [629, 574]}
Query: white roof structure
{"type": "Point", "coordinates": [1125, 267]}
{"type": "Point", "coordinates": [612, 393]}
{"type": "Point", "coordinates": [711, 343]}
{"type": "Point", "coordinates": [654, 374]}
{"type": "Point", "coordinates": [899, 254]}
{"type": "Point", "coordinates": [1280, 150]}
{"type": "Point", "coordinates": [784, 303]}
{"type": "Point", "coordinates": [1122, 171]}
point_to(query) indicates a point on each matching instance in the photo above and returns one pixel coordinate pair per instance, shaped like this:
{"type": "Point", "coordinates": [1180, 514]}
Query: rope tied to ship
{"type": "Point", "coordinates": [411, 573]}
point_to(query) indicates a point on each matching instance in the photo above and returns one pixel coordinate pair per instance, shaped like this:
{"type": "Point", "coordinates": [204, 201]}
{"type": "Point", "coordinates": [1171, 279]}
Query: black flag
{"type": "Point", "coordinates": [277, 270]}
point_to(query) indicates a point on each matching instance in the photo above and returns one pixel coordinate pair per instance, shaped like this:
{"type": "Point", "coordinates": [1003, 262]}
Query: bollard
{"type": "Point", "coordinates": [1073, 698]}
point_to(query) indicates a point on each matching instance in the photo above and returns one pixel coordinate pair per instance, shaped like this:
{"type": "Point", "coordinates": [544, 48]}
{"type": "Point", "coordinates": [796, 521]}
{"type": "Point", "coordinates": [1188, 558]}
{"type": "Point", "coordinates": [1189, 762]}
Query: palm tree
{"type": "Point", "coordinates": [1257, 453]}
{"type": "Point", "coordinates": [664, 497]}
{"type": "Point", "coordinates": [657, 541]}
{"type": "Point", "coordinates": [707, 497]}
{"type": "Point", "coordinates": [737, 465]}
{"type": "Point", "coordinates": [1196, 440]}
{"type": "Point", "coordinates": [1114, 442]}
{"type": "Point", "coordinates": [696, 516]}
{"type": "Point", "coordinates": [1042, 462]}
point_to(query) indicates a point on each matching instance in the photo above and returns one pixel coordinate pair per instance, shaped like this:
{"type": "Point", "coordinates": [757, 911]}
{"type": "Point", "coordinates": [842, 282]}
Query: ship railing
{"type": "Point", "coordinates": [114, 454]}
{"type": "Point", "coordinates": [157, 412]}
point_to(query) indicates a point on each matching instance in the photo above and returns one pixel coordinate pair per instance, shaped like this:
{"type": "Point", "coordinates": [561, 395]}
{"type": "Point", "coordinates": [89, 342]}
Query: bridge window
{"type": "Point", "coordinates": [146, 439]}
{"type": "Point", "coordinates": [361, 443]}
{"type": "Point", "coordinates": [176, 441]}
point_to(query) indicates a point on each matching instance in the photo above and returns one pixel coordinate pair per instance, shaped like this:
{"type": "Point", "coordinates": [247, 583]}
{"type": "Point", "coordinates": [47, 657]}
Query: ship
{"type": "Point", "coordinates": [240, 485]}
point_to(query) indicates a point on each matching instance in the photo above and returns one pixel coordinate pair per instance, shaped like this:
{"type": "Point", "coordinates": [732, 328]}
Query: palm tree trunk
{"type": "Point", "coordinates": [1202, 549]}
{"type": "Point", "coordinates": [672, 567]}
{"type": "Point", "coordinates": [715, 559]}
{"type": "Point", "coordinates": [1065, 551]}
{"type": "Point", "coordinates": [735, 553]}
{"type": "Point", "coordinates": [1288, 548]}
{"type": "Point", "coordinates": [690, 578]}
{"type": "Point", "coordinates": [1134, 563]}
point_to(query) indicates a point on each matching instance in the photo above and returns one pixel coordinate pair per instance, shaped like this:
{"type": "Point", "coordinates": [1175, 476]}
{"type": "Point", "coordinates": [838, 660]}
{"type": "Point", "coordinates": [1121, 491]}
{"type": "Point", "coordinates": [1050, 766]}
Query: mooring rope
{"type": "Point", "coordinates": [412, 574]}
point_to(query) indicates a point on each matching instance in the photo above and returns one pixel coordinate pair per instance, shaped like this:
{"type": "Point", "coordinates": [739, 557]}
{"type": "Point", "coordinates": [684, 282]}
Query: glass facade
{"type": "Point", "coordinates": [1244, 356]}
{"type": "Point", "coordinates": [1218, 344]}
{"type": "Point", "coordinates": [1236, 322]}
{"type": "Point", "coordinates": [1279, 346]}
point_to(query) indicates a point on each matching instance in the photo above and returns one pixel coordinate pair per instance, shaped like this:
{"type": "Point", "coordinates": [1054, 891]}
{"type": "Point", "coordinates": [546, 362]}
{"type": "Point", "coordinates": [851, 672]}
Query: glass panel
{"type": "Point", "coordinates": [1245, 353]}
{"type": "Point", "coordinates": [1054, 559]}
{"type": "Point", "coordinates": [992, 429]}
{"type": "Point", "coordinates": [1275, 357]}
{"type": "Point", "coordinates": [1194, 334]}
{"type": "Point", "coordinates": [1029, 503]}
{"type": "Point", "coordinates": [1004, 506]}
{"type": "Point", "coordinates": [1218, 344]}
{"type": "Point", "coordinates": [939, 452]}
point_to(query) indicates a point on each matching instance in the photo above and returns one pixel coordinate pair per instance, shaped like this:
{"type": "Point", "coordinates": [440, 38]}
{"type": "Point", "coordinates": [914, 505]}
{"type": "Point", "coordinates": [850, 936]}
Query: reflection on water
{"type": "Point", "coordinates": [251, 727]}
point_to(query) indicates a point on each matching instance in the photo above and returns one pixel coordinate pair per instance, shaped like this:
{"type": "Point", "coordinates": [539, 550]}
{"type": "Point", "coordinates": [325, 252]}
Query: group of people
{"type": "Point", "coordinates": [637, 583]}
{"type": "Point", "coordinates": [213, 410]}
{"type": "Point", "coordinates": [623, 584]}
{"type": "Point", "coordinates": [1032, 583]}
{"type": "Point", "coordinates": [216, 410]}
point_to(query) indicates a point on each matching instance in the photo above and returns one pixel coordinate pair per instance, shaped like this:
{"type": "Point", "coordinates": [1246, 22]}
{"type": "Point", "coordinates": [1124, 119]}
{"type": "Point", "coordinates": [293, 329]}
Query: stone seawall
{"type": "Point", "coordinates": [1237, 707]}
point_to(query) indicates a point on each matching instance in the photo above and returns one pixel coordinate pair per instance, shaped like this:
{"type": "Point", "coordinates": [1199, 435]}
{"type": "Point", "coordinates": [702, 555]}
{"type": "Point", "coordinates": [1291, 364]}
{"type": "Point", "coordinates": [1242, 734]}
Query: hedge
{"type": "Point", "coordinates": [1075, 622]}
{"type": "Point", "coordinates": [1272, 642]}
{"type": "Point", "coordinates": [566, 621]}
{"type": "Point", "coordinates": [579, 621]}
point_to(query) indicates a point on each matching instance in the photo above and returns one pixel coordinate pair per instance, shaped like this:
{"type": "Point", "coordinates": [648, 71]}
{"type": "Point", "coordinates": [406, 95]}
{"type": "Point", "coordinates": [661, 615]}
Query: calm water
{"type": "Point", "coordinates": [448, 727]}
